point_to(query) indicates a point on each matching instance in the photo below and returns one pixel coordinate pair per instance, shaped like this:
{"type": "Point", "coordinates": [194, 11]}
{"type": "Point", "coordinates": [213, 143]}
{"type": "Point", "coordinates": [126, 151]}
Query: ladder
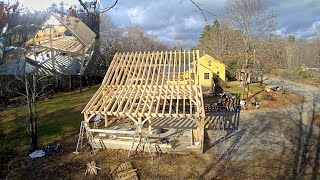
{"type": "Point", "coordinates": [90, 139]}
{"type": "Point", "coordinates": [80, 138]}
{"type": "Point", "coordinates": [142, 142]}
{"type": "Point", "coordinates": [83, 127]}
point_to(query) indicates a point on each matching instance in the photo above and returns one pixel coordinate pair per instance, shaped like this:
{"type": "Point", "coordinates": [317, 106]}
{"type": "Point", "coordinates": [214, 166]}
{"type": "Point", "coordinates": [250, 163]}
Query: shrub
{"type": "Point", "coordinates": [266, 96]}
{"type": "Point", "coordinates": [305, 74]}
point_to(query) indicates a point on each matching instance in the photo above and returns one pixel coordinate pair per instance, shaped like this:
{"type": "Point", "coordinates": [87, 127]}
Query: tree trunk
{"type": "Point", "coordinates": [34, 112]}
{"type": "Point", "coordinates": [70, 82]}
{"type": "Point", "coordinates": [88, 81]}
{"type": "Point", "coordinates": [32, 123]}
{"type": "Point", "coordinates": [261, 79]}
{"type": "Point", "coordinates": [80, 83]}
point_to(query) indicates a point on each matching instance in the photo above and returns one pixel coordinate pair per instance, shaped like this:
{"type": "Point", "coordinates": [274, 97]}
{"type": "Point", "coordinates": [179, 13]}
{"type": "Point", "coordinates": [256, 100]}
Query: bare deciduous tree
{"type": "Point", "coordinates": [220, 41]}
{"type": "Point", "coordinates": [31, 93]}
{"type": "Point", "coordinates": [253, 18]}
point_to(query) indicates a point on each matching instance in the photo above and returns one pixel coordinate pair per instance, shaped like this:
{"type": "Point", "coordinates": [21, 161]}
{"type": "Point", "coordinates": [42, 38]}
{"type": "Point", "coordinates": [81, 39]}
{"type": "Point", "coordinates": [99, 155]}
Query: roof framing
{"type": "Point", "coordinates": [150, 84]}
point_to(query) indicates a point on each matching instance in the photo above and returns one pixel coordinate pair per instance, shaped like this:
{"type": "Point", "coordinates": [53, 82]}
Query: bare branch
{"type": "Point", "coordinates": [201, 10]}
{"type": "Point", "coordinates": [15, 89]}
{"type": "Point", "coordinates": [112, 6]}
{"type": "Point", "coordinates": [43, 88]}
{"type": "Point", "coordinates": [84, 6]}
{"type": "Point", "coordinates": [40, 79]}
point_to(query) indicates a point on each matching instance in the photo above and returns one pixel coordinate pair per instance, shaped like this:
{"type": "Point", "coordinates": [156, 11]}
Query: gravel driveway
{"type": "Point", "coordinates": [272, 143]}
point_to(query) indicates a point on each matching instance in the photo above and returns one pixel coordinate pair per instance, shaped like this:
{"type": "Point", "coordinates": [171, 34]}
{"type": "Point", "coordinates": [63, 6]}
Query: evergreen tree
{"type": "Point", "coordinates": [291, 38]}
{"type": "Point", "coordinates": [216, 24]}
{"type": "Point", "coordinates": [206, 31]}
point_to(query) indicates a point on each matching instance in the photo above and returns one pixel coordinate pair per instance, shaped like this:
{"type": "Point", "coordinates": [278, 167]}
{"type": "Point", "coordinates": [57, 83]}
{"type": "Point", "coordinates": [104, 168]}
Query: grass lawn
{"type": "Point", "coordinates": [237, 87]}
{"type": "Point", "coordinates": [55, 117]}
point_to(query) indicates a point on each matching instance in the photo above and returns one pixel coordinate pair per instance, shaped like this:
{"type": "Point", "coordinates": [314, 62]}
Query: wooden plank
{"type": "Point", "coordinates": [178, 82]}
{"type": "Point", "coordinates": [162, 81]}
{"type": "Point", "coordinates": [103, 99]}
{"type": "Point", "coordinates": [127, 82]}
{"type": "Point", "coordinates": [173, 78]}
{"type": "Point", "coordinates": [185, 85]}
{"type": "Point", "coordinates": [157, 82]}
{"type": "Point", "coordinates": [146, 59]}
{"type": "Point", "coordinates": [109, 98]}
{"type": "Point", "coordinates": [167, 87]}
{"type": "Point", "coordinates": [128, 60]}
{"type": "Point", "coordinates": [98, 94]}
{"type": "Point", "coordinates": [107, 131]}
{"type": "Point", "coordinates": [153, 91]}
{"type": "Point", "coordinates": [195, 60]}
{"type": "Point", "coordinates": [132, 87]}
{"type": "Point", "coordinates": [190, 85]}
{"type": "Point", "coordinates": [147, 80]}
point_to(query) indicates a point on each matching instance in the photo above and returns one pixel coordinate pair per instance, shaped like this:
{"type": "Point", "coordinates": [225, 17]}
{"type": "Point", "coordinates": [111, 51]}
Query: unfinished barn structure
{"type": "Point", "coordinates": [64, 44]}
{"type": "Point", "coordinates": [140, 89]}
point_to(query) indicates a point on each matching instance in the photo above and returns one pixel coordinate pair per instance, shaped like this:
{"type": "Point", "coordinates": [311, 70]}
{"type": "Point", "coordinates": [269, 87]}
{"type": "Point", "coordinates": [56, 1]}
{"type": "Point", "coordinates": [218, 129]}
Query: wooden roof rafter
{"type": "Point", "coordinates": [66, 44]}
{"type": "Point", "coordinates": [140, 85]}
{"type": "Point", "coordinates": [56, 25]}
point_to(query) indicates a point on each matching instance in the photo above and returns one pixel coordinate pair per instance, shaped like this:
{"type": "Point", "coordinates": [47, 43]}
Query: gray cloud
{"type": "Point", "coordinates": [298, 17]}
{"type": "Point", "coordinates": [169, 19]}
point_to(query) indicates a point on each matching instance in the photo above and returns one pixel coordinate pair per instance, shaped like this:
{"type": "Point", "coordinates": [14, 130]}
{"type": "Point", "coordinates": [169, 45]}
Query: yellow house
{"type": "Point", "coordinates": [209, 67]}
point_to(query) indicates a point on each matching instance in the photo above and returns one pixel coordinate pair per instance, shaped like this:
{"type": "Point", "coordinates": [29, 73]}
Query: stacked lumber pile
{"type": "Point", "coordinates": [124, 171]}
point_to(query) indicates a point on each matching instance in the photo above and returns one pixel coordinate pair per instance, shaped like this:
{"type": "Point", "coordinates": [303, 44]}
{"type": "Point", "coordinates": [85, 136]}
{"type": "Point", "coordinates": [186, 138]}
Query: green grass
{"type": "Point", "coordinates": [236, 87]}
{"type": "Point", "coordinates": [55, 117]}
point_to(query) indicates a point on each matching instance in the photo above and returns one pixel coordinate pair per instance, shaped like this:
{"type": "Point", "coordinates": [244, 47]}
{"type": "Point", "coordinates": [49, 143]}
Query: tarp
{"type": "Point", "coordinates": [36, 154]}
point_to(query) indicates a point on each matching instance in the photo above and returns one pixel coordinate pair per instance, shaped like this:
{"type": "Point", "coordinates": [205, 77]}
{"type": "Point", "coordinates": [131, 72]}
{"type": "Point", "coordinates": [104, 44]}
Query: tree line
{"type": "Point", "coordinates": [245, 34]}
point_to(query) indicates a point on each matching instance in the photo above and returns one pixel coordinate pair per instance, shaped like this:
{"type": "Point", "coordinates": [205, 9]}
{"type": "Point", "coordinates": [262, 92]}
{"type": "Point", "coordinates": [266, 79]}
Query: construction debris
{"type": "Point", "coordinates": [47, 151]}
{"type": "Point", "coordinates": [36, 154]}
{"type": "Point", "coordinates": [51, 149]}
{"type": "Point", "coordinates": [124, 171]}
{"type": "Point", "coordinates": [92, 168]}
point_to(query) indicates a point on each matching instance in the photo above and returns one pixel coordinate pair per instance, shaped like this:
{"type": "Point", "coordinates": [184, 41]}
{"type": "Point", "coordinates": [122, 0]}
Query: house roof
{"type": "Point", "coordinates": [208, 57]}
{"type": "Point", "coordinates": [138, 85]}
{"type": "Point", "coordinates": [311, 65]}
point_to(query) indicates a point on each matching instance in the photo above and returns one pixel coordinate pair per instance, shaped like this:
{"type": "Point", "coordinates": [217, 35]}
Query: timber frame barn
{"type": "Point", "coordinates": [64, 44]}
{"type": "Point", "coordinates": [145, 86]}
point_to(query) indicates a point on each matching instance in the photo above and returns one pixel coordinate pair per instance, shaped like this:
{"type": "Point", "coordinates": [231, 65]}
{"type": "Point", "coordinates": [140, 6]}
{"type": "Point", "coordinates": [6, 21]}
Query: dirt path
{"type": "Point", "coordinates": [278, 143]}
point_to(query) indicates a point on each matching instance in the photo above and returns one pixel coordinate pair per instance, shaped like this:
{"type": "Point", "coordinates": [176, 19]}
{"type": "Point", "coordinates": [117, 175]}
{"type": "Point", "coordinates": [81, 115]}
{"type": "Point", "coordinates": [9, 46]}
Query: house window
{"type": "Point", "coordinates": [192, 75]}
{"type": "Point", "coordinates": [206, 76]}
{"type": "Point", "coordinates": [209, 63]}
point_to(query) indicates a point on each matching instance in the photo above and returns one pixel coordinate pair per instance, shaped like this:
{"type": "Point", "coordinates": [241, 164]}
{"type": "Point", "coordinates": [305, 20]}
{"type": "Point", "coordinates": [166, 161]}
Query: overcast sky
{"type": "Point", "coordinates": [179, 19]}
{"type": "Point", "coordinates": [170, 19]}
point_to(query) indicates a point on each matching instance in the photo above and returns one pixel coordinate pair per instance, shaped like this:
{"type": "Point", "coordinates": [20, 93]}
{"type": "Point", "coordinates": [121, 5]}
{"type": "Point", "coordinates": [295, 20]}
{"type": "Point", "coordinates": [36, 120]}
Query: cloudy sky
{"type": "Point", "coordinates": [179, 19]}
{"type": "Point", "coordinates": [174, 19]}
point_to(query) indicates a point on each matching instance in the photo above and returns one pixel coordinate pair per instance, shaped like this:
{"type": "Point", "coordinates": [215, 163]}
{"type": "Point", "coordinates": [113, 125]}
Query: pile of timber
{"type": "Point", "coordinates": [124, 171]}
{"type": "Point", "coordinates": [91, 168]}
